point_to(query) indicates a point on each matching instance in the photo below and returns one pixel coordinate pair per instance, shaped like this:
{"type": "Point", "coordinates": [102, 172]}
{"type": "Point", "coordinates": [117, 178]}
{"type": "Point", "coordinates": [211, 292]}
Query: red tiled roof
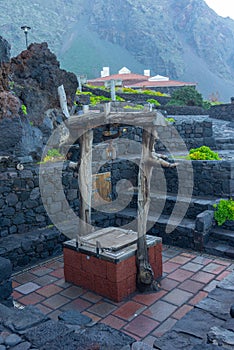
{"type": "Point", "coordinates": [163, 83]}
{"type": "Point", "coordinates": [138, 80]}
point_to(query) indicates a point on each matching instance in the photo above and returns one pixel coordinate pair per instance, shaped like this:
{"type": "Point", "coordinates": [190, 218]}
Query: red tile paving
{"type": "Point", "coordinates": [114, 322]}
{"type": "Point", "coordinates": [170, 266]}
{"type": "Point", "coordinates": [141, 326]}
{"type": "Point", "coordinates": [180, 275]}
{"type": "Point", "coordinates": [223, 275]}
{"type": "Point", "coordinates": [49, 290]}
{"type": "Point", "coordinates": [128, 310]}
{"type": "Point", "coordinates": [187, 279]}
{"type": "Point", "coordinates": [31, 299]}
{"type": "Point", "coordinates": [160, 310]}
{"type": "Point", "coordinates": [198, 297]}
{"type": "Point", "coordinates": [177, 297]}
{"type": "Point", "coordinates": [149, 299]}
{"type": "Point", "coordinates": [203, 277]}
{"type": "Point", "coordinates": [182, 311]}
{"type": "Point", "coordinates": [191, 286]}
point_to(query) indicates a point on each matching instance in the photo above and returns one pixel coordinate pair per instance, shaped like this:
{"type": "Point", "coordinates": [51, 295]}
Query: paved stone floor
{"type": "Point", "coordinates": [188, 278]}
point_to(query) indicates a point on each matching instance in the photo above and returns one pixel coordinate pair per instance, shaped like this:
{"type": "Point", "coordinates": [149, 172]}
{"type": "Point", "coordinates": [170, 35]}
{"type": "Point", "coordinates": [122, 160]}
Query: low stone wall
{"type": "Point", "coordinates": [184, 110]}
{"type": "Point", "coordinates": [223, 112]}
{"type": "Point", "coordinates": [5, 282]}
{"type": "Point", "coordinates": [194, 133]}
{"type": "Point", "coordinates": [211, 178]}
{"type": "Point", "coordinates": [29, 248]}
{"type": "Point", "coordinates": [21, 207]}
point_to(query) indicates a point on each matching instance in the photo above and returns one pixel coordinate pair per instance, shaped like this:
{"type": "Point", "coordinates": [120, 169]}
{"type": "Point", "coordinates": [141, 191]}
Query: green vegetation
{"type": "Point", "coordinates": [136, 107]}
{"type": "Point", "coordinates": [153, 101]}
{"type": "Point", "coordinates": [78, 92]}
{"type": "Point", "coordinates": [53, 155]}
{"type": "Point", "coordinates": [127, 90]}
{"type": "Point", "coordinates": [207, 104]}
{"type": "Point", "coordinates": [152, 93]}
{"type": "Point", "coordinates": [203, 153]}
{"type": "Point", "coordinates": [24, 109]}
{"type": "Point", "coordinates": [170, 120]}
{"type": "Point", "coordinates": [94, 100]}
{"type": "Point", "coordinates": [224, 211]}
{"type": "Point", "coordinates": [186, 96]}
{"type": "Point", "coordinates": [120, 99]}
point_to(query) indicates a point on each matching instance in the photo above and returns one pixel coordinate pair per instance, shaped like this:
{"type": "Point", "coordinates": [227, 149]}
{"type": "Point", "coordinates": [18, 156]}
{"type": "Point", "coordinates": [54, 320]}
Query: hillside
{"type": "Point", "coordinates": [184, 39]}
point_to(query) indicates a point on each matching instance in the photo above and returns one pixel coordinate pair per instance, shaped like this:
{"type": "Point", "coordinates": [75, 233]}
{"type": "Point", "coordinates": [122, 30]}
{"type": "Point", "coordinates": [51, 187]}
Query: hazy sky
{"type": "Point", "coordinates": [224, 8]}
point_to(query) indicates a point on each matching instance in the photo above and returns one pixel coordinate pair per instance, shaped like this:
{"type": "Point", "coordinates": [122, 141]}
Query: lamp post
{"type": "Point", "coordinates": [26, 29]}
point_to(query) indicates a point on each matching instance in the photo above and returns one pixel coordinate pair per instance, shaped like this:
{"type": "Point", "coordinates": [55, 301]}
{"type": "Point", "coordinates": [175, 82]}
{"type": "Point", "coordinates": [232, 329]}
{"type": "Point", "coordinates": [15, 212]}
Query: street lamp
{"type": "Point", "coordinates": [26, 29]}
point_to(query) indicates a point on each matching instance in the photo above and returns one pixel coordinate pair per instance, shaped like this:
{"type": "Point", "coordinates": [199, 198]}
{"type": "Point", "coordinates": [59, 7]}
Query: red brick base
{"type": "Point", "coordinates": [114, 281]}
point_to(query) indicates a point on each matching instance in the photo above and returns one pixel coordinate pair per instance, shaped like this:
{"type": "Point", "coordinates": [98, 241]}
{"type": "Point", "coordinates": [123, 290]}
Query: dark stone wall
{"type": "Point", "coordinates": [211, 178]}
{"type": "Point", "coordinates": [185, 110]}
{"type": "Point", "coordinates": [224, 112]}
{"type": "Point", "coordinates": [5, 282]}
{"type": "Point", "coordinates": [21, 207]}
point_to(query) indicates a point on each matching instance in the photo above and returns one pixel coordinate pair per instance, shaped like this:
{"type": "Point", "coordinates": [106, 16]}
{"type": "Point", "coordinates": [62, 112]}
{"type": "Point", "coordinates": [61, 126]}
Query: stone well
{"type": "Point", "coordinates": [105, 261]}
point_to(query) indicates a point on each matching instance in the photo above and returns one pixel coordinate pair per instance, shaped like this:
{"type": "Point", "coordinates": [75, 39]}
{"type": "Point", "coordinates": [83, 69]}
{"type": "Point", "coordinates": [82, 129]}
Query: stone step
{"type": "Point", "coordinates": [180, 235]}
{"type": "Point", "coordinates": [219, 248]}
{"type": "Point", "coordinates": [164, 204]}
{"type": "Point", "coordinates": [220, 234]}
{"type": "Point", "coordinates": [225, 143]}
{"type": "Point", "coordinates": [220, 141]}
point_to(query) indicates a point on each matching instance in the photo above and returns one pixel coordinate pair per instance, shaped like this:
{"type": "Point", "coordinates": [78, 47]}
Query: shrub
{"type": "Point", "coordinates": [78, 92]}
{"type": "Point", "coordinates": [186, 96]}
{"type": "Point", "coordinates": [94, 100]}
{"type": "Point", "coordinates": [153, 93]}
{"type": "Point", "coordinates": [153, 101]}
{"type": "Point", "coordinates": [129, 91]}
{"type": "Point", "coordinates": [24, 109]}
{"type": "Point", "coordinates": [203, 153]}
{"type": "Point", "coordinates": [170, 120]}
{"type": "Point", "coordinates": [120, 99]}
{"type": "Point", "coordinates": [53, 155]}
{"type": "Point", "coordinates": [224, 211]}
{"type": "Point", "coordinates": [137, 107]}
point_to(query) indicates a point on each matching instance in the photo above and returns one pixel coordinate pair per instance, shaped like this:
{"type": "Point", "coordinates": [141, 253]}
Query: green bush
{"type": "Point", "coordinates": [129, 91]}
{"type": "Point", "coordinates": [94, 100]}
{"type": "Point", "coordinates": [153, 101]}
{"type": "Point", "coordinates": [53, 155]}
{"type": "Point", "coordinates": [170, 120]}
{"type": "Point", "coordinates": [186, 96]}
{"type": "Point", "coordinates": [120, 99]}
{"type": "Point", "coordinates": [24, 109]}
{"type": "Point", "coordinates": [136, 107]}
{"type": "Point", "coordinates": [203, 153]}
{"type": "Point", "coordinates": [224, 211]}
{"type": "Point", "coordinates": [78, 92]}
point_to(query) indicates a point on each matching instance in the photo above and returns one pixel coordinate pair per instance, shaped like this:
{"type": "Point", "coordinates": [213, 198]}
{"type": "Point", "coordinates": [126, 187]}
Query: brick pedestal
{"type": "Point", "coordinates": [112, 279]}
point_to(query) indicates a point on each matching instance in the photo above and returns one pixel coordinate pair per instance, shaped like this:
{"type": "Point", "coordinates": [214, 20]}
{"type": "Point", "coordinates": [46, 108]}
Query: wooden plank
{"type": "Point", "coordinates": [92, 120]}
{"type": "Point", "coordinates": [110, 238]}
{"type": "Point", "coordinates": [101, 191]}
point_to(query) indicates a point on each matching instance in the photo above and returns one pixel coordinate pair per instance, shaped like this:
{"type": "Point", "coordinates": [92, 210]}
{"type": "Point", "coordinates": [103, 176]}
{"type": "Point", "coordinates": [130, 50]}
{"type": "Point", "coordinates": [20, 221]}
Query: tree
{"type": "Point", "coordinates": [186, 96]}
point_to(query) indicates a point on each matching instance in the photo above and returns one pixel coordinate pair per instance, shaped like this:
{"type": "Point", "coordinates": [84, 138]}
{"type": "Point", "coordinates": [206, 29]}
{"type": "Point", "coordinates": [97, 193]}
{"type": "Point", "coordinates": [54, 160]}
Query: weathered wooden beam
{"type": "Point", "coordinates": [92, 120]}
{"type": "Point", "coordinates": [145, 274]}
{"type": "Point", "coordinates": [85, 181]}
{"type": "Point", "coordinates": [63, 101]}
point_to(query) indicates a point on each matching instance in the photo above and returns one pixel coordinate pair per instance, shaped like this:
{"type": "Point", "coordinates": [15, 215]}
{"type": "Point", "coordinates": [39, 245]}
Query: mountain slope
{"type": "Point", "coordinates": [184, 39]}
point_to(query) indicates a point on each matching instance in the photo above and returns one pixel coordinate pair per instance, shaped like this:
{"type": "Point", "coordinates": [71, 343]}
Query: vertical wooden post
{"type": "Point", "coordinates": [145, 274]}
{"type": "Point", "coordinates": [85, 181]}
